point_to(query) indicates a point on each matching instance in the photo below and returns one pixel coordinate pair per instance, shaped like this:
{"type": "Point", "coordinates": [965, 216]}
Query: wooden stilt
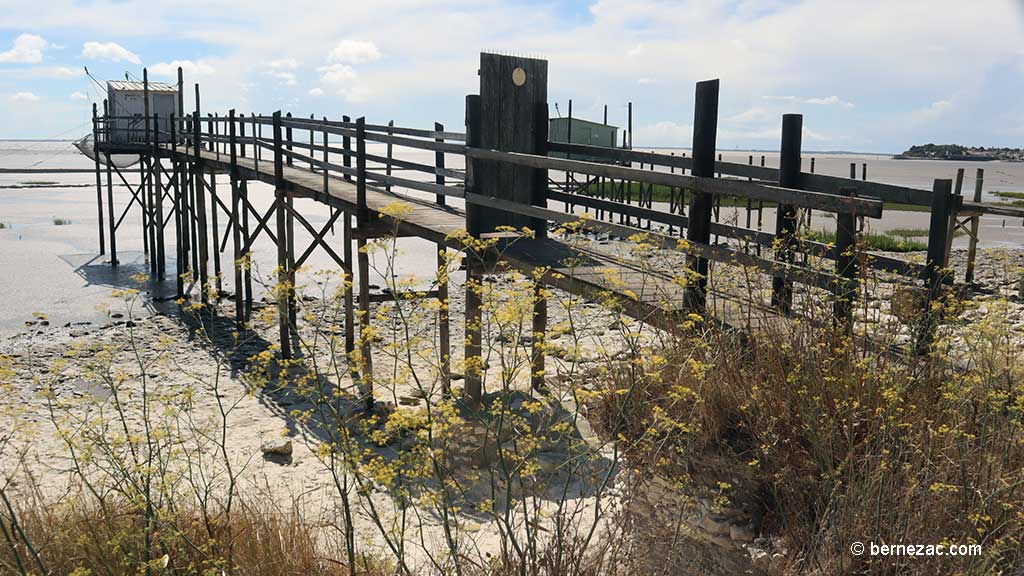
{"type": "Point", "coordinates": [786, 216]}
{"type": "Point", "coordinates": [283, 289]}
{"type": "Point", "coordinates": [161, 268]}
{"type": "Point", "coordinates": [474, 341]}
{"type": "Point", "coordinates": [350, 331]}
{"type": "Point", "coordinates": [236, 229]}
{"type": "Point", "coordinates": [214, 209]}
{"type": "Point", "coordinates": [198, 176]}
{"type": "Point", "coordinates": [705, 126]}
{"type": "Point", "coordinates": [110, 214]}
{"type": "Point", "coordinates": [362, 221]}
{"type": "Point", "coordinates": [247, 272]}
{"type": "Point", "coordinates": [540, 327]}
{"type": "Point", "coordinates": [179, 214]}
{"type": "Point", "coordinates": [99, 184]}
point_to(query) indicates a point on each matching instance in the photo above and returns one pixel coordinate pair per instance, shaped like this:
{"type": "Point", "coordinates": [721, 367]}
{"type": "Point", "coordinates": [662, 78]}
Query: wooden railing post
{"type": "Point", "coordinates": [846, 266]}
{"type": "Point", "coordinates": [284, 291]}
{"type": "Point", "coordinates": [785, 216]}
{"type": "Point", "coordinates": [288, 139]}
{"type": "Point", "coordinates": [942, 200]}
{"type": "Point", "coordinates": [698, 231]}
{"type": "Point", "coordinates": [390, 152]}
{"type": "Point", "coordinates": [241, 135]}
{"type": "Point", "coordinates": [972, 249]}
{"type": "Point", "coordinates": [346, 145]}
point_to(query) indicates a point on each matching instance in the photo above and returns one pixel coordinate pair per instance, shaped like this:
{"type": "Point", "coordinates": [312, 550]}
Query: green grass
{"type": "Point", "coordinates": [3, 226]}
{"type": "Point", "coordinates": [61, 221]}
{"type": "Point", "coordinates": [1016, 199]}
{"type": "Point", "coordinates": [883, 242]}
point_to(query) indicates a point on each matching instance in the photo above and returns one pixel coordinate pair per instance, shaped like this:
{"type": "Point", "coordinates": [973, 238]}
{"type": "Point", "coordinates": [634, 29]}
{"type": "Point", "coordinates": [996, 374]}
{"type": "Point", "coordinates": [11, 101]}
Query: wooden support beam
{"type": "Point", "coordinates": [705, 128]}
{"type": "Point", "coordinates": [942, 203]}
{"type": "Point", "coordinates": [346, 235]}
{"type": "Point", "coordinates": [473, 393]}
{"type": "Point", "coordinates": [365, 340]}
{"type": "Point", "coordinates": [236, 230]}
{"type": "Point", "coordinates": [786, 214]}
{"type": "Point", "coordinates": [972, 249]}
{"type": "Point", "coordinates": [198, 187]}
{"type": "Point", "coordinates": [161, 259]}
{"type": "Point", "coordinates": [284, 291]}
{"type": "Point", "coordinates": [179, 215]}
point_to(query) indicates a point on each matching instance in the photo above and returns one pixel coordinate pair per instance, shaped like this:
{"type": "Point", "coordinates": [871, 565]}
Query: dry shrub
{"type": "Point", "coordinates": [85, 538]}
{"type": "Point", "coordinates": [842, 441]}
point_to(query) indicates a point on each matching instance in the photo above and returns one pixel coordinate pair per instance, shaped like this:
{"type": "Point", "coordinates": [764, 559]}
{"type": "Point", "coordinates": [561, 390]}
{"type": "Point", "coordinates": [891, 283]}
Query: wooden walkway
{"type": "Point", "coordinates": [645, 295]}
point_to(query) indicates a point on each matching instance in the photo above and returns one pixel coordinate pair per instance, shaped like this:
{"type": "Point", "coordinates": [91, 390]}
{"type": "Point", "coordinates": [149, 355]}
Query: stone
{"type": "Point", "coordinates": [715, 525]}
{"type": "Point", "coordinates": [759, 559]}
{"type": "Point", "coordinates": [277, 446]}
{"type": "Point", "coordinates": [741, 533]}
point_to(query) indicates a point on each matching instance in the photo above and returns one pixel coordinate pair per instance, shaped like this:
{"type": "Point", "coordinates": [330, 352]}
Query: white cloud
{"type": "Point", "coordinates": [823, 101]}
{"type": "Point", "coordinates": [646, 81]}
{"type": "Point", "coordinates": [28, 49]}
{"type": "Point", "coordinates": [316, 92]}
{"type": "Point", "coordinates": [108, 51]}
{"type": "Point", "coordinates": [337, 73]}
{"type": "Point", "coordinates": [79, 96]}
{"type": "Point", "coordinates": [24, 97]}
{"type": "Point", "coordinates": [354, 52]}
{"type": "Point", "coordinates": [286, 78]}
{"type": "Point", "coordinates": [664, 133]}
{"type": "Point", "coordinates": [283, 64]}
{"type": "Point", "coordinates": [65, 72]}
{"type": "Point", "coordinates": [189, 69]}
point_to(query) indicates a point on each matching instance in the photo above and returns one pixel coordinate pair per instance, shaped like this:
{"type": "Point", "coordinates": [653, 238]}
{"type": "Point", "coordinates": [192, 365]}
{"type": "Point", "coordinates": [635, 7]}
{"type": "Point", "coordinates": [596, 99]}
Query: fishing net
{"type": "Point", "coordinates": [87, 147]}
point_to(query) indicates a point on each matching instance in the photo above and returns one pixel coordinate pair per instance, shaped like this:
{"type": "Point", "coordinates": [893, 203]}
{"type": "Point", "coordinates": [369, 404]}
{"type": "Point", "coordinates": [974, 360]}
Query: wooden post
{"type": "Point", "coordinates": [179, 215]}
{"type": "Point", "coordinates": [853, 170]}
{"type": "Point", "coordinates": [785, 216]}
{"type": "Point", "coordinates": [942, 200]}
{"type": "Point", "coordinates": [346, 145]}
{"type": "Point", "coordinates": [951, 227]}
{"type": "Point", "coordinates": [247, 272]}
{"type": "Point", "coordinates": [350, 334]}
{"type": "Point", "coordinates": [147, 165]}
{"type": "Point", "coordinates": [284, 291]}
{"type": "Point", "coordinates": [846, 266]}
{"type": "Point", "coordinates": [864, 171]}
{"type": "Point", "coordinates": [99, 183]}
{"type": "Point", "coordinates": [474, 272]}
{"type": "Point", "coordinates": [198, 177]}
{"type": "Point", "coordinates": [812, 164]}
{"type": "Point", "coordinates": [972, 250]}
{"type": "Point", "coordinates": [540, 302]}
{"type": "Point", "coordinates": [363, 222]}
{"type": "Point", "coordinates": [236, 227]}
{"type": "Point", "coordinates": [390, 151]}
{"type": "Point", "coordinates": [241, 135]}
{"type": "Point", "coordinates": [705, 128]}
{"type": "Point", "coordinates": [157, 168]}
{"type": "Point", "coordinates": [443, 325]}
{"type": "Point", "coordinates": [288, 139]}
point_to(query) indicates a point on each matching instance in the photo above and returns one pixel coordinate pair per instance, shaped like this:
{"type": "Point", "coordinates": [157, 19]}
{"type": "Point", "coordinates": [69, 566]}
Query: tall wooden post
{"type": "Point", "coordinates": [972, 250]}
{"type": "Point", "coordinates": [540, 302]}
{"type": "Point", "coordinates": [284, 291]}
{"type": "Point", "coordinates": [99, 184]}
{"type": "Point", "coordinates": [198, 176]}
{"type": "Point", "coordinates": [156, 167]}
{"type": "Point", "coordinates": [111, 222]}
{"type": "Point", "coordinates": [179, 213]}
{"type": "Point", "coordinates": [705, 129]}
{"type": "Point", "coordinates": [363, 223]}
{"type": "Point", "coordinates": [951, 226]}
{"type": "Point", "coordinates": [785, 215]}
{"type": "Point", "coordinates": [443, 325]}
{"type": "Point", "coordinates": [473, 351]}
{"type": "Point", "coordinates": [146, 165]}
{"type": "Point", "coordinates": [236, 222]}
{"type": "Point", "coordinates": [942, 204]}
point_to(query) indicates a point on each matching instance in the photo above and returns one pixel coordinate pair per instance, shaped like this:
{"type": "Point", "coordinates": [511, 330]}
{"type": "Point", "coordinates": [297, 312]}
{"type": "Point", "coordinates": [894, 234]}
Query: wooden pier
{"type": "Point", "coordinates": [511, 173]}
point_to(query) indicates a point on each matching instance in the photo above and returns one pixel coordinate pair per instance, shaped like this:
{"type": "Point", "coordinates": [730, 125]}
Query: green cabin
{"type": "Point", "coordinates": [582, 132]}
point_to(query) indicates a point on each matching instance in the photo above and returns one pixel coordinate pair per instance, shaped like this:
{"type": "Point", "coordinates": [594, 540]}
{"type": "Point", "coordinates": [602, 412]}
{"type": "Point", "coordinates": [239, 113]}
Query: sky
{"type": "Point", "coordinates": [868, 75]}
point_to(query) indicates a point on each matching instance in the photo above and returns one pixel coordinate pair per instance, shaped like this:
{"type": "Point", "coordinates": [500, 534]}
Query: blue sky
{"type": "Point", "coordinates": [867, 75]}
